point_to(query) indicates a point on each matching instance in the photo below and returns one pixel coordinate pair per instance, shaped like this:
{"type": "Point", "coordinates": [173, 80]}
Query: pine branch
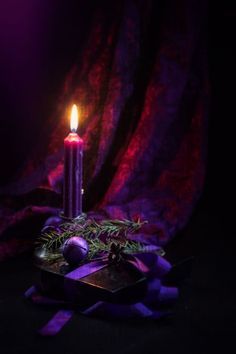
{"type": "Point", "coordinates": [91, 230]}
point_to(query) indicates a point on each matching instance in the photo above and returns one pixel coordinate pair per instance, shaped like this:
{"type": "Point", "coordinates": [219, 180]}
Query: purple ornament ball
{"type": "Point", "coordinates": [52, 224]}
{"type": "Point", "coordinates": [53, 221]}
{"type": "Point", "coordinates": [75, 249]}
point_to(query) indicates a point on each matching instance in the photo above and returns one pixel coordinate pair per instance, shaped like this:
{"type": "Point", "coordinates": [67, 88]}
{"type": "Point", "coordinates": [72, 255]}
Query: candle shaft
{"type": "Point", "coordinates": [73, 156]}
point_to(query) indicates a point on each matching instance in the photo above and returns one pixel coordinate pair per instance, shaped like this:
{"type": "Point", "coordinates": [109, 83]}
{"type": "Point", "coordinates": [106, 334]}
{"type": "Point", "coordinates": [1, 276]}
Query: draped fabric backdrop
{"type": "Point", "coordinates": [141, 85]}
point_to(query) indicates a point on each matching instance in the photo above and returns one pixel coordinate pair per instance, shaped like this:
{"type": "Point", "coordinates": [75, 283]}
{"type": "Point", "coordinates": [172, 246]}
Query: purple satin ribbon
{"type": "Point", "coordinates": [153, 266]}
{"type": "Point", "coordinates": [78, 273]}
{"type": "Point", "coordinates": [56, 323]}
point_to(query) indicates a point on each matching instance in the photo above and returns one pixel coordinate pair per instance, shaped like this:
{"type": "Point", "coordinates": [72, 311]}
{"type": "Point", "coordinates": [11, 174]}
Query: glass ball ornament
{"type": "Point", "coordinates": [52, 224]}
{"type": "Point", "coordinates": [75, 249]}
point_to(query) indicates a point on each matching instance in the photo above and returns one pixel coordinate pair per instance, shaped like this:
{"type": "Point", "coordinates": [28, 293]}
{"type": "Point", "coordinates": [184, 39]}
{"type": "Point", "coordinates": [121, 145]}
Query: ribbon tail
{"type": "Point", "coordinates": [37, 298]}
{"type": "Point", "coordinates": [56, 323]}
{"type": "Point", "coordinates": [93, 308]}
{"type": "Point", "coordinates": [168, 294]}
{"type": "Point", "coordinates": [29, 292]}
{"type": "Point", "coordinates": [143, 310]}
{"type": "Point", "coordinates": [150, 264]}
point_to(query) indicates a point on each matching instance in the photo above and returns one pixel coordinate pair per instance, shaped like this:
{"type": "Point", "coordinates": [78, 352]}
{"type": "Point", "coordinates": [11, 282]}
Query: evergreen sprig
{"type": "Point", "coordinates": [97, 247]}
{"type": "Point", "coordinates": [92, 231]}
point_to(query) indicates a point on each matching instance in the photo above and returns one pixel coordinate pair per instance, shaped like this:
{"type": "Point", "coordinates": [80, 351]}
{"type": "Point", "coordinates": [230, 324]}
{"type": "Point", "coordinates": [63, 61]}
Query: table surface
{"type": "Point", "coordinates": [204, 319]}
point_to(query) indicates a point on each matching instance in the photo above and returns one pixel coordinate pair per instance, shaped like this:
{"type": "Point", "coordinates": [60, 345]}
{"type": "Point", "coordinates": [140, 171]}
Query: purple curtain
{"type": "Point", "coordinates": [141, 84]}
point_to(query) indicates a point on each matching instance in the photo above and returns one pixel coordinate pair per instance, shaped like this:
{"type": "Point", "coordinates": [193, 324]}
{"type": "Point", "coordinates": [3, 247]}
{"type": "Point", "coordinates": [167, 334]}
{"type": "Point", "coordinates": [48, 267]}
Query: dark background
{"type": "Point", "coordinates": [29, 85]}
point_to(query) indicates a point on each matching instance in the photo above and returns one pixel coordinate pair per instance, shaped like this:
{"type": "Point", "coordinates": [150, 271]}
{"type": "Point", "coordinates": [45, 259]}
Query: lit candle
{"type": "Point", "coordinates": [73, 156]}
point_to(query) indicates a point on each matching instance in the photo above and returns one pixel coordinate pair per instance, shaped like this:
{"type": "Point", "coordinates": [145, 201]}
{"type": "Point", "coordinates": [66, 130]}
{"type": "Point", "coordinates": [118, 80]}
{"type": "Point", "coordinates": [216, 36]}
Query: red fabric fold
{"type": "Point", "coordinates": [142, 87]}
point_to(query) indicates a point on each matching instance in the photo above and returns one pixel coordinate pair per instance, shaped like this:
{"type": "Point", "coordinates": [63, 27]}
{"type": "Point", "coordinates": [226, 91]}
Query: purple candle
{"type": "Point", "coordinates": [73, 157]}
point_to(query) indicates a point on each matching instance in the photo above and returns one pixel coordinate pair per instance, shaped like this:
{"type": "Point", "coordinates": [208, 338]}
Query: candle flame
{"type": "Point", "coordinates": [74, 118]}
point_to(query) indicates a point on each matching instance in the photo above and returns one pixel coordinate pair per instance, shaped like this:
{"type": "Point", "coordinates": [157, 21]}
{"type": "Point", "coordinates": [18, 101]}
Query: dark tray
{"type": "Point", "coordinates": [119, 283]}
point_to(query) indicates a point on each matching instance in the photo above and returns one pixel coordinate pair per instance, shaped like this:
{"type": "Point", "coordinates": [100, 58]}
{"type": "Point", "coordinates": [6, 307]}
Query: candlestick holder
{"type": "Point", "coordinates": [78, 218]}
{"type": "Point", "coordinates": [118, 275]}
{"type": "Point", "coordinates": [118, 280]}
{"type": "Point", "coordinates": [114, 283]}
